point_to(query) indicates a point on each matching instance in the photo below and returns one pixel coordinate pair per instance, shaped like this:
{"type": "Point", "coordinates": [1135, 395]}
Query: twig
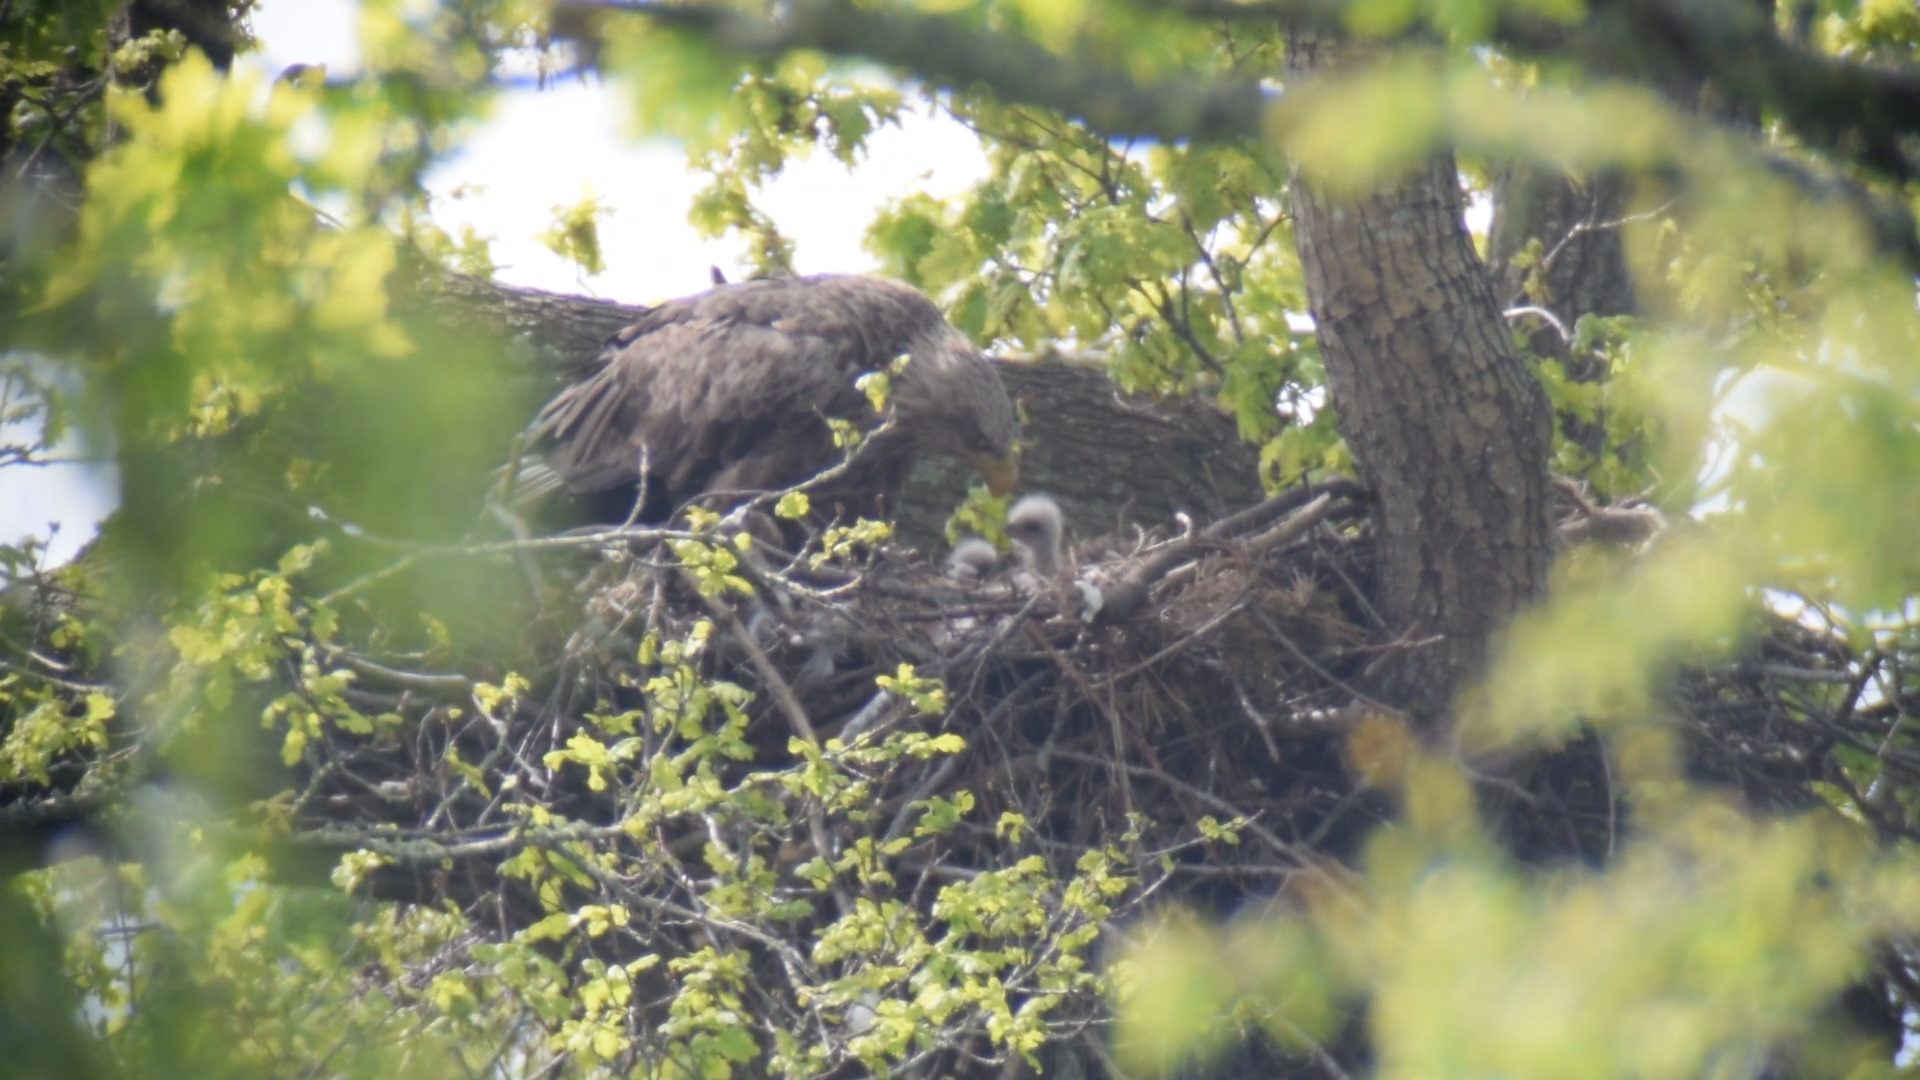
{"type": "Point", "coordinates": [1799, 674]}
{"type": "Point", "coordinates": [55, 680]}
{"type": "Point", "coordinates": [1314, 1050]}
{"type": "Point", "coordinates": [1253, 517]}
{"type": "Point", "coordinates": [1304, 519]}
{"type": "Point", "coordinates": [1183, 641]}
{"type": "Point", "coordinates": [1126, 598]}
{"type": "Point", "coordinates": [1291, 852]}
{"type": "Point", "coordinates": [782, 693]}
{"type": "Point", "coordinates": [590, 538]}
{"type": "Point", "coordinates": [1261, 722]}
{"type": "Point", "coordinates": [60, 123]}
{"type": "Point", "coordinates": [790, 705]}
{"type": "Point", "coordinates": [513, 523]}
{"type": "Point", "coordinates": [1287, 643]}
{"type": "Point", "coordinates": [1581, 228]}
{"type": "Point", "coordinates": [1538, 312]}
{"type": "Point", "coordinates": [640, 489]}
{"type": "Point", "coordinates": [458, 684]}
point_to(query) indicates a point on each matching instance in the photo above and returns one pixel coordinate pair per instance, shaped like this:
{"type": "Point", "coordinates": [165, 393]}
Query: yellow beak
{"type": "Point", "coordinates": [999, 473]}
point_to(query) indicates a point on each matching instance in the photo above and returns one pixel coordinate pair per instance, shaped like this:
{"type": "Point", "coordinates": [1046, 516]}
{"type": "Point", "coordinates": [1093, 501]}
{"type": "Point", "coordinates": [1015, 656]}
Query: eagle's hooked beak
{"type": "Point", "coordinates": [1000, 473]}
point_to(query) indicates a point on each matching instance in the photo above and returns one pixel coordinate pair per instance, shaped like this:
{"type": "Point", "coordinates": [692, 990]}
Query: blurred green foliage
{"type": "Point", "coordinates": [247, 361]}
{"type": "Point", "coordinates": [575, 235]}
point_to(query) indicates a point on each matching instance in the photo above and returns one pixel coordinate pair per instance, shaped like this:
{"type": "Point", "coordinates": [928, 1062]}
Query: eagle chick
{"type": "Point", "coordinates": [1036, 527]}
{"type": "Point", "coordinates": [972, 561]}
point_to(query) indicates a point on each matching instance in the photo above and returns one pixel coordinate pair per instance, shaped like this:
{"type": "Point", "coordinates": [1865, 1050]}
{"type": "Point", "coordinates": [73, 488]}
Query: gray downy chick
{"type": "Point", "coordinates": [1036, 527]}
{"type": "Point", "coordinates": [973, 561]}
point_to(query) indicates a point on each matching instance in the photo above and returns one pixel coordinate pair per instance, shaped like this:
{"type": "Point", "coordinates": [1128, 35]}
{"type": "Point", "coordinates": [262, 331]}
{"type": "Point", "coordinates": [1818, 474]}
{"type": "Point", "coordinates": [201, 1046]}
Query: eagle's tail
{"type": "Point", "coordinates": [526, 483]}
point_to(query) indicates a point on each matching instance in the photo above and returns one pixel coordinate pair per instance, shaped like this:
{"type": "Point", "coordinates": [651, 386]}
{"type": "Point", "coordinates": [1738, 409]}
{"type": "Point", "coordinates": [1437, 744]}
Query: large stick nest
{"type": "Point", "coordinates": [1169, 683]}
{"type": "Point", "coordinates": [1163, 677]}
{"type": "Point", "coordinates": [1219, 678]}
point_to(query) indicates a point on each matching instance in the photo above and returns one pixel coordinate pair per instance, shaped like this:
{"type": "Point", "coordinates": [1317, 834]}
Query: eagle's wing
{"type": "Point", "coordinates": [733, 383]}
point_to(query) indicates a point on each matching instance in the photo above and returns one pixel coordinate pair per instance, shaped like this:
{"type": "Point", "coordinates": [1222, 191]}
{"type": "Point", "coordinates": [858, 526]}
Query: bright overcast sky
{"type": "Point", "coordinates": [546, 148]}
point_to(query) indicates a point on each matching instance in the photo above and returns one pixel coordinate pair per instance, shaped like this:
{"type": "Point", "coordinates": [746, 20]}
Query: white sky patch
{"type": "Point", "coordinates": [1479, 213]}
{"type": "Point", "coordinates": [1747, 402]}
{"type": "Point", "coordinates": [307, 32]}
{"type": "Point", "coordinates": [826, 208]}
{"type": "Point", "coordinates": [543, 149]}
{"type": "Point", "coordinates": [1753, 398]}
{"type": "Point", "coordinates": [61, 502]}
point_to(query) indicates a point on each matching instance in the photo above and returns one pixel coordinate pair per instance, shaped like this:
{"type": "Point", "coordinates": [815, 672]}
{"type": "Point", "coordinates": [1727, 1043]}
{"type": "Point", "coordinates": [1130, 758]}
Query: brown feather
{"type": "Point", "coordinates": [728, 392]}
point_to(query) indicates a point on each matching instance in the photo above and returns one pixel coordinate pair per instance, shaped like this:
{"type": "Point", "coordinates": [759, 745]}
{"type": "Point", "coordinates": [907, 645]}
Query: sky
{"type": "Point", "coordinates": [546, 148]}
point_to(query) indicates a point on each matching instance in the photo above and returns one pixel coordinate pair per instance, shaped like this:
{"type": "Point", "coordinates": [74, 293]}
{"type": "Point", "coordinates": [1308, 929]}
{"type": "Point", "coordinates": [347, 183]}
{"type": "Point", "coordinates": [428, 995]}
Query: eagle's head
{"type": "Point", "coordinates": [951, 400]}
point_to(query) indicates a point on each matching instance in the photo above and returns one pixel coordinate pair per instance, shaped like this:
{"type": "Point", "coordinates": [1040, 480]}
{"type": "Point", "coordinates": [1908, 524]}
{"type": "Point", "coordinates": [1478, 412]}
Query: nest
{"type": "Point", "coordinates": [1180, 699]}
{"type": "Point", "coordinates": [1163, 679]}
{"type": "Point", "coordinates": [1171, 702]}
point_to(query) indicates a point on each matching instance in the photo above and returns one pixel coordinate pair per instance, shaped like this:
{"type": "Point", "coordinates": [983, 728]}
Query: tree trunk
{"type": "Point", "coordinates": [1583, 271]}
{"type": "Point", "coordinates": [1576, 220]}
{"type": "Point", "coordinates": [1444, 420]}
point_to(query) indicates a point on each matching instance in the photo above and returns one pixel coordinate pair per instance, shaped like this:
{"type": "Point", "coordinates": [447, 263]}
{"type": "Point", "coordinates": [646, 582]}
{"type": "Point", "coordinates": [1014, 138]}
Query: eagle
{"type": "Point", "coordinates": [727, 394]}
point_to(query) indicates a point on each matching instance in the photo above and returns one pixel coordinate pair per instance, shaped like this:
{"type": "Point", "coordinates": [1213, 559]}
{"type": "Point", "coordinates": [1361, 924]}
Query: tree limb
{"type": "Point", "coordinates": [948, 52]}
{"type": "Point", "coordinates": [1856, 112]}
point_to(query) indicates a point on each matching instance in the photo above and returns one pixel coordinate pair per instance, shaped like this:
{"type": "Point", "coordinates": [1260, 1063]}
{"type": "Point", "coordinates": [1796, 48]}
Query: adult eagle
{"type": "Point", "coordinates": [728, 394]}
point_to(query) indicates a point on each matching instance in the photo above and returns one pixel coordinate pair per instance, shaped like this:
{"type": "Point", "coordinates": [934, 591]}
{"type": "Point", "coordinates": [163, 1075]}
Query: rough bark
{"type": "Point", "coordinates": [1578, 222]}
{"type": "Point", "coordinates": [1444, 421]}
{"type": "Point", "coordinates": [1111, 461]}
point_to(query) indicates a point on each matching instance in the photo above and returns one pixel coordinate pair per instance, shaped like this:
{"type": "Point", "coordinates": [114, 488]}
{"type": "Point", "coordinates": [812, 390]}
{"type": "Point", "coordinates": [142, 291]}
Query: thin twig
{"type": "Point", "coordinates": [1581, 228]}
{"type": "Point", "coordinates": [783, 695]}
{"type": "Point", "coordinates": [795, 713]}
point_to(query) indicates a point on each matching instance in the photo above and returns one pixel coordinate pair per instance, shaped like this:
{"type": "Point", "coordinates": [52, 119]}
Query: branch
{"type": "Point", "coordinates": [1124, 599]}
{"type": "Point", "coordinates": [1851, 109]}
{"type": "Point", "coordinates": [783, 695]}
{"type": "Point", "coordinates": [412, 680]}
{"type": "Point", "coordinates": [796, 715]}
{"type": "Point", "coordinates": [1854, 110]}
{"type": "Point", "coordinates": [949, 53]}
